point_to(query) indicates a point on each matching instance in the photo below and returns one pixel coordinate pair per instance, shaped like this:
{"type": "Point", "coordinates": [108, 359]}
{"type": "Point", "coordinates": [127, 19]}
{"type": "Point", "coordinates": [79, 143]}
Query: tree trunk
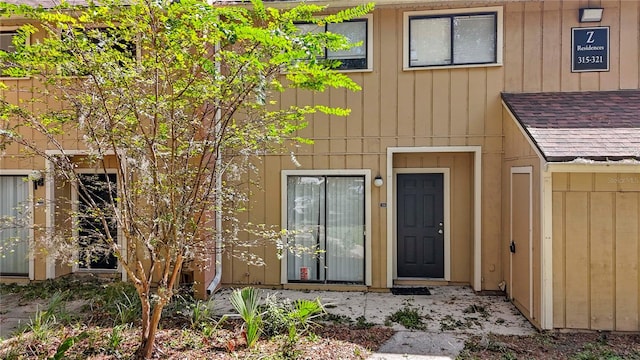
{"type": "Point", "coordinates": [147, 342]}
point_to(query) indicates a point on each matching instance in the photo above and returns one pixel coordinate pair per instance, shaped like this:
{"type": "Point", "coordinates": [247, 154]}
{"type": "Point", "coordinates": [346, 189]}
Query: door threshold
{"type": "Point", "coordinates": [405, 282]}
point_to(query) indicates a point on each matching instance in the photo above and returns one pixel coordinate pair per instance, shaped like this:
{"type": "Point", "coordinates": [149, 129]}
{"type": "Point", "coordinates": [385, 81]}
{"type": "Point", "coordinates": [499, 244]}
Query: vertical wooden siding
{"type": "Point", "coordinates": [437, 107]}
{"type": "Point", "coordinates": [447, 107]}
{"type": "Point", "coordinates": [538, 46]}
{"type": "Point", "coordinates": [395, 108]}
{"type": "Point", "coordinates": [519, 153]}
{"type": "Point", "coordinates": [461, 198]}
{"type": "Point", "coordinates": [596, 227]}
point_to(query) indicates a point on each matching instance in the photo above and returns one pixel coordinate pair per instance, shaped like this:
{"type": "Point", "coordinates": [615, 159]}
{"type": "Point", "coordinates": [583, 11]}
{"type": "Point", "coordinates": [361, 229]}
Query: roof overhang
{"type": "Point", "coordinates": [580, 131]}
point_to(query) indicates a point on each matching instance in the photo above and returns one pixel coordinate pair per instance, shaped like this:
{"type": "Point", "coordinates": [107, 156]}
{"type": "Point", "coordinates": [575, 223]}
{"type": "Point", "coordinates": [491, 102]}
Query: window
{"type": "Point", "coordinates": [7, 37]}
{"type": "Point", "coordinates": [95, 253]}
{"type": "Point", "coordinates": [327, 214]}
{"type": "Point", "coordinates": [99, 40]}
{"type": "Point", "coordinates": [14, 225]}
{"type": "Point", "coordinates": [435, 39]}
{"type": "Point", "coordinates": [358, 32]}
{"type": "Point", "coordinates": [6, 40]}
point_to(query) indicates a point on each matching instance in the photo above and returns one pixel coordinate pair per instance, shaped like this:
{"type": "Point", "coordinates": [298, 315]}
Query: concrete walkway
{"type": "Point", "coordinates": [452, 314]}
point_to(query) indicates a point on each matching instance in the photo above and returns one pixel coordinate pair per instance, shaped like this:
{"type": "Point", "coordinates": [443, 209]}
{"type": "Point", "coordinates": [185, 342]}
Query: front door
{"type": "Point", "coordinates": [420, 225]}
{"type": "Point", "coordinates": [520, 245]}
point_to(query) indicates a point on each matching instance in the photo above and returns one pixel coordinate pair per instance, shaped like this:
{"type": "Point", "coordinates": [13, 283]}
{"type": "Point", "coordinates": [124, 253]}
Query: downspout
{"type": "Point", "coordinates": [218, 277]}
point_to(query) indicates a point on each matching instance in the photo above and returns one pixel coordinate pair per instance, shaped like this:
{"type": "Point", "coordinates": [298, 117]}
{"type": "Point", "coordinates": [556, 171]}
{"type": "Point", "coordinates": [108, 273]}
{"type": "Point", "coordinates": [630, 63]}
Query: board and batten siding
{"type": "Point", "coordinates": [537, 51]}
{"type": "Point", "coordinates": [596, 251]}
{"type": "Point", "coordinates": [454, 107]}
{"type": "Point", "coordinates": [518, 152]}
{"type": "Point", "coordinates": [427, 107]}
{"type": "Point", "coordinates": [442, 107]}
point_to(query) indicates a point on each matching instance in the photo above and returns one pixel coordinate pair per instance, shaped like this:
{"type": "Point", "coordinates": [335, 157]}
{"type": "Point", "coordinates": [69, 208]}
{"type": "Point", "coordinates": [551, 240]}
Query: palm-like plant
{"type": "Point", "coordinates": [301, 317]}
{"type": "Point", "coordinates": [246, 302]}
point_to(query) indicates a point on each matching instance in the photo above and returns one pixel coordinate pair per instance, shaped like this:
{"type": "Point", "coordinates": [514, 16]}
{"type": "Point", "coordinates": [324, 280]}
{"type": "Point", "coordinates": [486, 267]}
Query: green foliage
{"type": "Point", "coordinates": [66, 344]}
{"type": "Point", "coordinates": [275, 315]}
{"type": "Point", "coordinates": [409, 317]}
{"type": "Point", "coordinates": [246, 302]}
{"type": "Point", "coordinates": [199, 313]}
{"type": "Point", "coordinates": [301, 318]}
{"type": "Point", "coordinates": [120, 301]}
{"type": "Point", "coordinates": [45, 321]}
{"type": "Point", "coordinates": [362, 323]}
{"type": "Point", "coordinates": [72, 287]}
{"type": "Point", "coordinates": [596, 351]}
{"type": "Point", "coordinates": [115, 338]}
{"type": "Point", "coordinates": [293, 318]}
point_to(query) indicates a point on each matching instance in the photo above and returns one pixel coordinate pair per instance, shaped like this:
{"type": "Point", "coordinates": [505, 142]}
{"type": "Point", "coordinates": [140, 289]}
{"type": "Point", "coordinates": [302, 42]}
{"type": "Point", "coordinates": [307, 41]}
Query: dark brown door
{"type": "Point", "coordinates": [420, 225]}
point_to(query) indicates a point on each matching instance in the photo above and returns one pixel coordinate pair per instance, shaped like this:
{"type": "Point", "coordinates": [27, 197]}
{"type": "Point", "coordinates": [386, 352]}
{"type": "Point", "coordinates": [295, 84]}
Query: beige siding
{"type": "Point", "coordinates": [451, 107]}
{"type": "Point", "coordinates": [538, 40]}
{"type": "Point", "coordinates": [596, 219]}
{"type": "Point", "coordinates": [461, 182]}
{"type": "Point", "coordinates": [518, 152]}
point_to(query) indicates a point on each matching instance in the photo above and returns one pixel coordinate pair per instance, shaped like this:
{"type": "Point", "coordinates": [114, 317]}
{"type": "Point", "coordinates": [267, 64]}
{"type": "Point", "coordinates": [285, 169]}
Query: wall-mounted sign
{"type": "Point", "coordinates": [590, 49]}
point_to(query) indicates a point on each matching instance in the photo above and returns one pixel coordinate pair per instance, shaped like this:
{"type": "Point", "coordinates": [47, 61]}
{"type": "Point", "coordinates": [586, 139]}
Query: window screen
{"type": "Point", "coordinates": [452, 40]}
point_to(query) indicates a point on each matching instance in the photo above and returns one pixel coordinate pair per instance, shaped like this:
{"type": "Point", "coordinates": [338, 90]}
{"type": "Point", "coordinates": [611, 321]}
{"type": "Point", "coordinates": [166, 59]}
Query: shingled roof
{"type": "Point", "coordinates": [594, 125]}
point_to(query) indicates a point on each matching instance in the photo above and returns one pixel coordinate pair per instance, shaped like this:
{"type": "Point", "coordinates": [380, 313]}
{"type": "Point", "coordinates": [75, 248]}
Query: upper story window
{"type": "Point", "coordinates": [472, 37]}
{"type": "Point", "coordinates": [357, 31]}
{"type": "Point", "coordinates": [96, 41]}
{"type": "Point", "coordinates": [7, 36]}
{"type": "Point", "coordinates": [6, 40]}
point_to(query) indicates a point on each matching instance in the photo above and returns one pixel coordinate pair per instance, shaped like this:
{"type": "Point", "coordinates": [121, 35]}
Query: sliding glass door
{"type": "Point", "coordinates": [326, 217]}
{"type": "Point", "coordinates": [14, 225]}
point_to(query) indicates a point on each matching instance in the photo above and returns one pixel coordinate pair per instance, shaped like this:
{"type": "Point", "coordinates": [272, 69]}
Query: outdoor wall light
{"type": "Point", "coordinates": [377, 181]}
{"type": "Point", "coordinates": [590, 15]}
{"type": "Point", "coordinates": [36, 177]}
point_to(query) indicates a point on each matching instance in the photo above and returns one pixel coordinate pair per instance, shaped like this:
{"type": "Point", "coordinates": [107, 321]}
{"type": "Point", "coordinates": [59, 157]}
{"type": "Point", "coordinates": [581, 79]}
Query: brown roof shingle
{"type": "Point", "coordinates": [596, 125]}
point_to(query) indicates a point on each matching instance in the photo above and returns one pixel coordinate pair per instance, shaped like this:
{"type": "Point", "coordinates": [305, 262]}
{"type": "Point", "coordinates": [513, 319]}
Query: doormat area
{"type": "Point", "coordinates": [410, 291]}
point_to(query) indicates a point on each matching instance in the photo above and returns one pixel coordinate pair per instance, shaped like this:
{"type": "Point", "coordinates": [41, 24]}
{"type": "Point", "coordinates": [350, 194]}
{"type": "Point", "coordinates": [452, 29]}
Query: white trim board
{"type": "Point", "coordinates": [477, 205]}
{"type": "Point", "coordinates": [446, 172]}
{"type": "Point", "coordinates": [367, 215]}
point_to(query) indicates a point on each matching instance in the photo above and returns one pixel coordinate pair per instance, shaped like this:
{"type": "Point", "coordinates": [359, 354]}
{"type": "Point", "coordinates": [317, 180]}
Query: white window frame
{"type": "Point", "coordinates": [452, 12]}
{"type": "Point", "coordinates": [367, 215]}
{"type": "Point", "coordinates": [75, 201]}
{"type": "Point", "coordinates": [28, 42]}
{"type": "Point", "coordinates": [369, 36]}
{"type": "Point", "coordinates": [25, 173]}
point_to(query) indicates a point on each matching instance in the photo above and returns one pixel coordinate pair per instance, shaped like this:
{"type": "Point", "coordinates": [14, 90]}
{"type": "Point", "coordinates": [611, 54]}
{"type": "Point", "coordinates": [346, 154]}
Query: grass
{"type": "Point", "coordinates": [82, 288]}
{"type": "Point", "coordinates": [409, 317]}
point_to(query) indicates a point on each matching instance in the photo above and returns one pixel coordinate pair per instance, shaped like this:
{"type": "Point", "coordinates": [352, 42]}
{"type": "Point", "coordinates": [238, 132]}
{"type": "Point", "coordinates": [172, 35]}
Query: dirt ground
{"type": "Point", "coordinates": [554, 345]}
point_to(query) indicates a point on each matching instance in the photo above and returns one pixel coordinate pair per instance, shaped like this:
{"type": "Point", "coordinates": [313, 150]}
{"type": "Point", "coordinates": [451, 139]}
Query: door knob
{"type": "Point", "coordinates": [512, 247]}
{"type": "Point", "coordinates": [441, 224]}
{"type": "Point", "coordinates": [440, 231]}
